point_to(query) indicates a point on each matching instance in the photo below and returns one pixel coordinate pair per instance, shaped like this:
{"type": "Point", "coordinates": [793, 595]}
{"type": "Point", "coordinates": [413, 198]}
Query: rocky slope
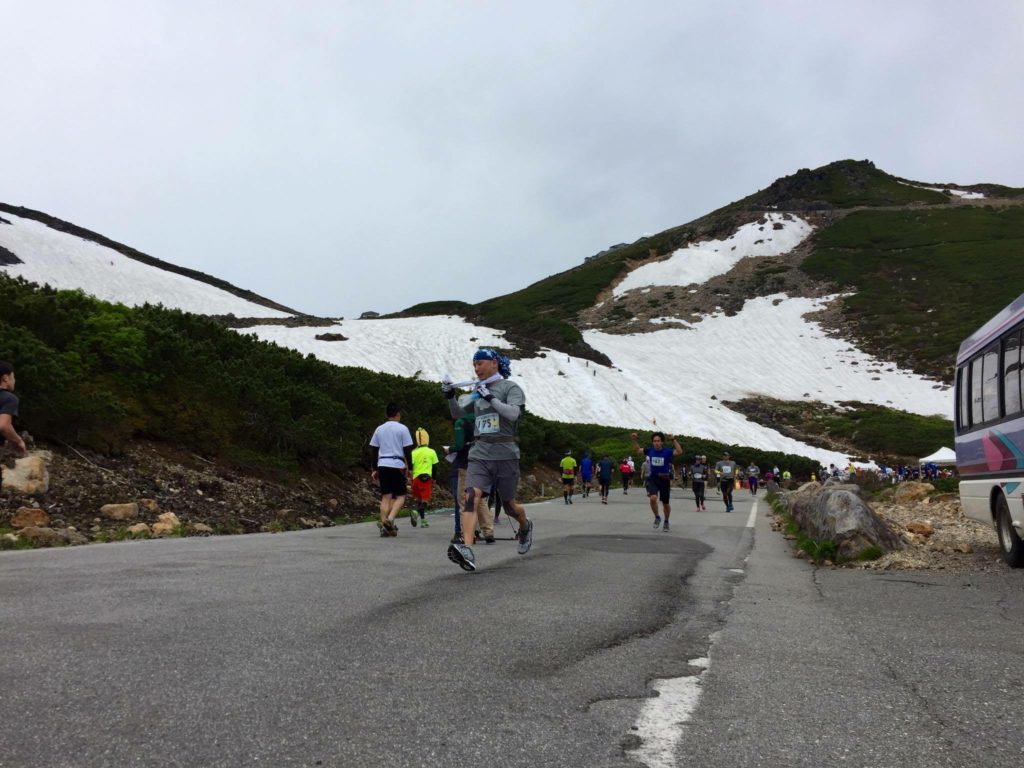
{"type": "Point", "coordinates": [152, 479]}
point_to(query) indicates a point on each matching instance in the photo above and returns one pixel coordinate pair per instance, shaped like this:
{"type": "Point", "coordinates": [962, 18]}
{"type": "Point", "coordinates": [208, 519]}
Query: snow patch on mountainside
{"type": "Point", "coordinates": [663, 379]}
{"type": "Point", "coordinates": [66, 261]}
{"type": "Point", "coordinates": [700, 262]}
{"type": "Point", "coordinates": [962, 193]}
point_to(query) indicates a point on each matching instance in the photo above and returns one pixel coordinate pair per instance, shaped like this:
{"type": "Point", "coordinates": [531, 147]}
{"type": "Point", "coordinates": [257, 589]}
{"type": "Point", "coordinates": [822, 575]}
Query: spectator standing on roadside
{"type": "Point", "coordinates": [392, 457]}
{"type": "Point", "coordinates": [9, 410]}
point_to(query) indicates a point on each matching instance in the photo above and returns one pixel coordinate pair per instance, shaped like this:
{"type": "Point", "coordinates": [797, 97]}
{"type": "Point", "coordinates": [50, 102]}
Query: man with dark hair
{"type": "Point", "coordinates": [9, 409]}
{"type": "Point", "coordinates": [494, 457]}
{"type": "Point", "coordinates": [658, 482]}
{"type": "Point", "coordinates": [392, 457]}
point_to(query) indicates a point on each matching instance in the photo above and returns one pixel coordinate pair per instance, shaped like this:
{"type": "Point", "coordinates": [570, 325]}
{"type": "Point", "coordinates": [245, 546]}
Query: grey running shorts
{"type": "Point", "coordinates": [486, 473]}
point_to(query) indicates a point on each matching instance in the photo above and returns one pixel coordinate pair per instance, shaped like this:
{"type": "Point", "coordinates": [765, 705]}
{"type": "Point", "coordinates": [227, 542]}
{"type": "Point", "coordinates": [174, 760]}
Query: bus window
{"type": "Point", "coordinates": [1011, 374]}
{"type": "Point", "coordinates": [990, 385]}
{"type": "Point", "coordinates": [977, 417]}
{"type": "Point", "coordinates": [963, 396]}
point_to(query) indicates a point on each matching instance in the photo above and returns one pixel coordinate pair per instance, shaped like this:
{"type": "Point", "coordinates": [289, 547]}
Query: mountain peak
{"type": "Point", "coordinates": [841, 184]}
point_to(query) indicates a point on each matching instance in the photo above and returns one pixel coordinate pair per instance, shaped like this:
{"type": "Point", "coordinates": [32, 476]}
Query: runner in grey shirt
{"type": "Point", "coordinates": [727, 476]}
{"type": "Point", "coordinates": [494, 457]}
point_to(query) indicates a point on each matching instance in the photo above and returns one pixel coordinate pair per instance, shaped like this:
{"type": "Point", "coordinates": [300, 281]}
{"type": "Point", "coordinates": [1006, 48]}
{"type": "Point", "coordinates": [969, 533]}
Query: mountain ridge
{"type": "Point", "coordinates": [61, 225]}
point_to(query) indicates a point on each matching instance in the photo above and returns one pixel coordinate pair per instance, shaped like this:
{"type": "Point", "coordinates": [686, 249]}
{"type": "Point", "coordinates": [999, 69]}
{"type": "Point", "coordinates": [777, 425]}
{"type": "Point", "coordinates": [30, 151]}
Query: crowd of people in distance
{"type": "Point", "coordinates": [897, 474]}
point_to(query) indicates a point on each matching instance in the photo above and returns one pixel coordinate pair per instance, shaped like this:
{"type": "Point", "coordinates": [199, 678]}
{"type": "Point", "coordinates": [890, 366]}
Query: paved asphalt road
{"type": "Point", "coordinates": [336, 648]}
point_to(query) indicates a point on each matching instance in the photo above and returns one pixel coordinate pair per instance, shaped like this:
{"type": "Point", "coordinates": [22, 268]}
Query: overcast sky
{"type": "Point", "coordinates": [345, 156]}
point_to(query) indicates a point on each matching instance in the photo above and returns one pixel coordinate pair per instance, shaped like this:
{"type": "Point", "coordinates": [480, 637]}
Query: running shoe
{"type": "Point", "coordinates": [392, 528]}
{"type": "Point", "coordinates": [664, 528]}
{"type": "Point", "coordinates": [412, 518]}
{"type": "Point", "coordinates": [489, 539]}
{"type": "Point", "coordinates": [462, 556]}
{"type": "Point", "coordinates": [570, 499]}
{"type": "Point", "coordinates": [424, 523]}
{"type": "Point", "coordinates": [383, 529]}
{"type": "Point", "coordinates": [657, 522]}
{"type": "Point", "coordinates": [703, 508]}
{"type": "Point", "coordinates": [525, 537]}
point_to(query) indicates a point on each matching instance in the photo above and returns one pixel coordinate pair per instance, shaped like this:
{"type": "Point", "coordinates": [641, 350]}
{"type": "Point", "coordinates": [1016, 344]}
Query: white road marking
{"type": "Point", "coordinates": [661, 721]}
{"type": "Point", "coordinates": [753, 515]}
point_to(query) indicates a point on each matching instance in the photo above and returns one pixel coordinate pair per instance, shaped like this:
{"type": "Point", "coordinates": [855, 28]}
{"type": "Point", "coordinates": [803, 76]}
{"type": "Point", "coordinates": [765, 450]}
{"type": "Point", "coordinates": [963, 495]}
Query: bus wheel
{"type": "Point", "coordinates": [1009, 540]}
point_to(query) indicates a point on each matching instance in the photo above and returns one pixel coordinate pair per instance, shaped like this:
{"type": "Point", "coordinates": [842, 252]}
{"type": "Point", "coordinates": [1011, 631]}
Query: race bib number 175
{"type": "Point", "coordinates": [487, 424]}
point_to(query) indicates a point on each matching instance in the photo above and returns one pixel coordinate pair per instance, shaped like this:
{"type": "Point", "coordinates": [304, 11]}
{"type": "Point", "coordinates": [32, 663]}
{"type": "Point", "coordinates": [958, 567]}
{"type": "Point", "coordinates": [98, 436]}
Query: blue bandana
{"type": "Point", "coordinates": [504, 365]}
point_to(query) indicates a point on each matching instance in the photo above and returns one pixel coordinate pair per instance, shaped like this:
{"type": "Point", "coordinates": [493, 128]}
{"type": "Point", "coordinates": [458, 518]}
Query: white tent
{"type": "Point", "coordinates": [941, 456]}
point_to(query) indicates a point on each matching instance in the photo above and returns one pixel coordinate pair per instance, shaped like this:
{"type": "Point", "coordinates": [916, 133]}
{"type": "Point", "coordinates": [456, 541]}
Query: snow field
{"type": "Point", "coordinates": [68, 262]}
{"type": "Point", "coordinates": [700, 262]}
{"type": "Point", "coordinates": [662, 380]}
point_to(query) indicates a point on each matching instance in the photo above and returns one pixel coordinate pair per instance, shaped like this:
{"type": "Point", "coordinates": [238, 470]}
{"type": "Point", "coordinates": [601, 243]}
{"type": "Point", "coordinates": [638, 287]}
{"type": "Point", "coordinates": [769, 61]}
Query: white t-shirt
{"type": "Point", "coordinates": [391, 437]}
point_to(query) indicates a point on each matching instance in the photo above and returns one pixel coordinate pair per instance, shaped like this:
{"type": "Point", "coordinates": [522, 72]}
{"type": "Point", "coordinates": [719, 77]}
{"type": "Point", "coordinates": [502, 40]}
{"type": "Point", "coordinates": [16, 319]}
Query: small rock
{"type": "Point", "coordinates": [139, 529]}
{"type": "Point", "coordinates": [120, 511]}
{"type": "Point", "coordinates": [27, 517]}
{"type": "Point", "coordinates": [166, 523]}
{"type": "Point", "coordinates": [150, 506]}
{"type": "Point", "coordinates": [201, 528]}
{"type": "Point", "coordinates": [921, 527]}
{"type": "Point", "coordinates": [41, 536]}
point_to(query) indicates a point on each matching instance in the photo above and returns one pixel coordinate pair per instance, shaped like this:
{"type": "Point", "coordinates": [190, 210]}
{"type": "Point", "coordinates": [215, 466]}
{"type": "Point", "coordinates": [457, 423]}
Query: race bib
{"type": "Point", "coordinates": [657, 461]}
{"type": "Point", "coordinates": [726, 471]}
{"type": "Point", "coordinates": [488, 424]}
{"type": "Point", "coordinates": [698, 476]}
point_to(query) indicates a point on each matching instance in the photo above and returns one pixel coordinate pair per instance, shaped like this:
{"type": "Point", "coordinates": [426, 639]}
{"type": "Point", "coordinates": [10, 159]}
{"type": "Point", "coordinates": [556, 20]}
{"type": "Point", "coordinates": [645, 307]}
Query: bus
{"type": "Point", "coordinates": [989, 425]}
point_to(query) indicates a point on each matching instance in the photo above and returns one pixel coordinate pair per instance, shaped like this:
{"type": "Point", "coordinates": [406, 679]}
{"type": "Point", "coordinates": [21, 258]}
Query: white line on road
{"type": "Point", "coordinates": [753, 515]}
{"type": "Point", "coordinates": [661, 721]}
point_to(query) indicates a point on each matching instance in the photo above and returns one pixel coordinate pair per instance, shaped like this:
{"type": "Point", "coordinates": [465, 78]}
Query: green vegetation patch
{"type": "Point", "coordinates": [96, 374]}
{"type": "Point", "coordinates": [858, 429]}
{"type": "Point", "coordinates": [924, 279]}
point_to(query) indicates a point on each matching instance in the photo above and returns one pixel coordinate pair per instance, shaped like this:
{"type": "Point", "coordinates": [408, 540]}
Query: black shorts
{"type": "Point", "coordinates": [568, 480]}
{"type": "Point", "coordinates": [391, 480]}
{"type": "Point", "coordinates": [660, 486]}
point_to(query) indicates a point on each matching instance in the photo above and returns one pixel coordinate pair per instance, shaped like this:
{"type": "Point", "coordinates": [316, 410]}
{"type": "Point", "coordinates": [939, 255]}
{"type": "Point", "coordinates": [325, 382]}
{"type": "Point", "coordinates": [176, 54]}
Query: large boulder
{"type": "Point", "coordinates": [839, 514]}
{"type": "Point", "coordinates": [30, 475]}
